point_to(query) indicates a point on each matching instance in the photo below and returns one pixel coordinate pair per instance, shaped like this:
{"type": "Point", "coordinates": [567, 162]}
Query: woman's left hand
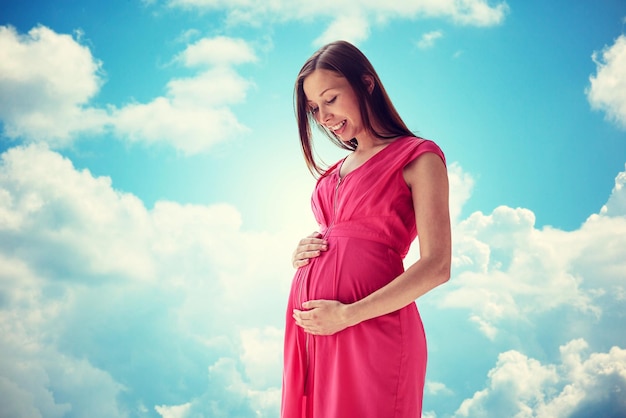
{"type": "Point", "coordinates": [322, 317]}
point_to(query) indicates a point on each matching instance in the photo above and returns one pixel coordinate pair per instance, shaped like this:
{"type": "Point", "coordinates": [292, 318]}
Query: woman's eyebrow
{"type": "Point", "coordinates": [309, 101]}
{"type": "Point", "coordinates": [322, 93]}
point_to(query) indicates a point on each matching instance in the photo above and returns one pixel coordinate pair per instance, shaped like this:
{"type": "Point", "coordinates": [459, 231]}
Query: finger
{"type": "Point", "coordinates": [300, 263]}
{"type": "Point", "coordinates": [310, 253]}
{"type": "Point", "coordinates": [310, 240]}
{"type": "Point", "coordinates": [311, 244]}
{"type": "Point", "coordinates": [313, 237]}
{"type": "Point", "coordinates": [310, 305]}
{"type": "Point", "coordinates": [306, 317]}
{"type": "Point", "coordinates": [302, 258]}
{"type": "Point", "coordinates": [304, 323]}
{"type": "Point", "coordinates": [300, 315]}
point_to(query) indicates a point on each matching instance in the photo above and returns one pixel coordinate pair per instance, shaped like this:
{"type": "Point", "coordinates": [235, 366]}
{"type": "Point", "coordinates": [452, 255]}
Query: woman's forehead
{"type": "Point", "coordinates": [320, 81]}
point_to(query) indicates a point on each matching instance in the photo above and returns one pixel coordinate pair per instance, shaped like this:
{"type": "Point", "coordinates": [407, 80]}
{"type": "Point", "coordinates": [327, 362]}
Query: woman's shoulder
{"type": "Point", "coordinates": [414, 146]}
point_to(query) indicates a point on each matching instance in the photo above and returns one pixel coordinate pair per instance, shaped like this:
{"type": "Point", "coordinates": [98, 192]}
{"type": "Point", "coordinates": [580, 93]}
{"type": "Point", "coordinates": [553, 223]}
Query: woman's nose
{"type": "Point", "coordinates": [324, 115]}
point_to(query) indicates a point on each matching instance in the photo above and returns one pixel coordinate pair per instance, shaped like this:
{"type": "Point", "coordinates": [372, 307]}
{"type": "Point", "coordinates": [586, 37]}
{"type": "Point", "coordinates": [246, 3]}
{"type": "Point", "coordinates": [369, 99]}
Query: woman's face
{"type": "Point", "coordinates": [334, 104]}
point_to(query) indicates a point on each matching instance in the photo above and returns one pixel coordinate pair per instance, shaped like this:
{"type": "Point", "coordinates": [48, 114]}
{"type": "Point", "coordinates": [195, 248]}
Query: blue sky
{"type": "Point", "coordinates": [152, 190]}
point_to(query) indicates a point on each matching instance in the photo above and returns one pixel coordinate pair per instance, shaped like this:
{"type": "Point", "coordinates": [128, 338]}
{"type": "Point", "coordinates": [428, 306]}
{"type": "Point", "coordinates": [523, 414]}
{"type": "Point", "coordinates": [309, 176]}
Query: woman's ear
{"type": "Point", "coordinates": [369, 82]}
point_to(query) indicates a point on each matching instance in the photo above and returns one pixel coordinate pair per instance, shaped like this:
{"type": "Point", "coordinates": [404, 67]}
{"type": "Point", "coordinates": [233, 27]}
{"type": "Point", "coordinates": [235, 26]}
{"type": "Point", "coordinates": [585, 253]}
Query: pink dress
{"type": "Point", "coordinates": [375, 369]}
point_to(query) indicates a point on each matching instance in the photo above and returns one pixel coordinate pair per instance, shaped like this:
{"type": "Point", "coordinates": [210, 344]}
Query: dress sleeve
{"type": "Point", "coordinates": [419, 146]}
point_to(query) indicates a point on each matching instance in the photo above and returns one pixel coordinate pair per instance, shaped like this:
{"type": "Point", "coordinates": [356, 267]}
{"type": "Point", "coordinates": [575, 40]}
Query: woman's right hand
{"type": "Point", "coordinates": [309, 247]}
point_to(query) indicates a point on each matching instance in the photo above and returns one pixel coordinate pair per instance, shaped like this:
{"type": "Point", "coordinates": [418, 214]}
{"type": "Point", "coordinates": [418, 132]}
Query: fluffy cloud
{"type": "Point", "coordinates": [261, 355]}
{"type": "Point", "coordinates": [428, 39]}
{"type": "Point", "coordinates": [468, 12]}
{"type": "Point", "coordinates": [522, 387]}
{"type": "Point", "coordinates": [110, 307]}
{"type": "Point", "coordinates": [48, 79]}
{"type": "Point", "coordinates": [352, 27]}
{"type": "Point", "coordinates": [176, 411]}
{"type": "Point", "coordinates": [46, 82]}
{"type": "Point", "coordinates": [195, 113]}
{"type": "Point", "coordinates": [354, 21]}
{"type": "Point", "coordinates": [229, 395]}
{"type": "Point", "coordinates": [529, 288]}
{"type": "Point", "coordinates": [218, 51]}
{"type": "Point", "coordinates": [461, 185]}
{"type": "Point", "coordinates": [608, 87]}
{"type": "Point", "coordinates": [507, 270]}
{"type": "Point", "coordinates": [616, 204]}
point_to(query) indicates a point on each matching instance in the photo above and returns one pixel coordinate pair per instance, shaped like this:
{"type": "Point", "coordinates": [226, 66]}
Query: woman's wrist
{"type": "Point", "coordinates": [352, 314]}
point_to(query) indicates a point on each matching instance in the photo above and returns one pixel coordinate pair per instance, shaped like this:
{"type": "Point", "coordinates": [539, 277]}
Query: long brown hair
{"type": "Point", "coordinates": [349, 62]}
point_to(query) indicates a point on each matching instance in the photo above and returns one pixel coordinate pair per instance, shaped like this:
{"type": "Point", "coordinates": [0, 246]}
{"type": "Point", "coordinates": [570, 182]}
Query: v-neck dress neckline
{"type": "Point", "coordinates": [342, 177]}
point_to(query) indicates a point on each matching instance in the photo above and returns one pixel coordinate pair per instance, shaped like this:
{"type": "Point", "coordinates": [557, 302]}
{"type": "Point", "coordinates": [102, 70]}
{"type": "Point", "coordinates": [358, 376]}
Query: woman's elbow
{"type": "Point", "coordinates": [444, 270]}
{"type": "Point", "coordinates": [443, 277]}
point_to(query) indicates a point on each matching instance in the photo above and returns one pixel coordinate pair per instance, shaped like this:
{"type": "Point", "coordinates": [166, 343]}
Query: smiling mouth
{"type": "Point", "coordinates": [337, 126]}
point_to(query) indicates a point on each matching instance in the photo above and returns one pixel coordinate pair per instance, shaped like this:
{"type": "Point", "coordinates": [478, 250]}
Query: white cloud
{"type": "Point", "coordinates": [262, 355]}
{"type": "Point", "coordinates": [46, 82]}
{"type": "Point", "coordinates": [428, 39]}
{"type": "Point", "coordinates": [235, 389]}
{"type": "Point", "coordinates": [523, 286]}
{"type": "Point", "coordinates": [53, 210]}
{"type": "Point", "coordinates": [188, 35]}
{"type": "Point", "coordinates": [616, 204]}
{"type": "Point", "coordinates": [505, 269]}
{"type": "Point", "coordinates": [468, 12]}
{"type": "Point", "coordinates": [608, 87]}
{"type": "Point", "coordinates": [476, 12]}
{"type": "Point", "coordinates": [36, 380]}
{"type": "Point", "coordinates": [175, 411]}
{"type": "Point", "coordinates": [522, 387]}
{"type": "Point", "coordinates": [228, 395]}
{"type": "Point", "coordinates": [436, 388]}
{"type": "Point", "coordinates": [194, 115]}
{"type": "Point", "coordinates": [218, 51]}
{"type": "Point", "coordinates": [91, 282]}
{"type": "Point", "coordinates": [362, 13]}
{"type": "Point", "coordinates": [352, 27]}
{"type": "Point", "coordinates": [461, 185]}
{"type": "Point", "coordinates": [188, 129]}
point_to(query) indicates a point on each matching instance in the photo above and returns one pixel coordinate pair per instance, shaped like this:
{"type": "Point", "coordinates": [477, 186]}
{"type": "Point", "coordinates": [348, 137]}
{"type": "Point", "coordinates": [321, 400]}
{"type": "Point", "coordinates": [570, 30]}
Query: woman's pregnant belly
{"type": "Point", "coordinates": [349, 270]}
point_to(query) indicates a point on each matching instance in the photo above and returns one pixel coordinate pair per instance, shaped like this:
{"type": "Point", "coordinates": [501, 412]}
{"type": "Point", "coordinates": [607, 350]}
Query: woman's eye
{"type": "Point", "coordinates": [331, 100]}
{"type": "Point", "coordinates": [314, 110]}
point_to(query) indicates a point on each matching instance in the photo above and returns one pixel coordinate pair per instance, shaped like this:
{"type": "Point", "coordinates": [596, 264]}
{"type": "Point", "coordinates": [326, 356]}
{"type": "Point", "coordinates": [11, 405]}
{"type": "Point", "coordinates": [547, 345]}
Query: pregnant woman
{"type": "Point", "coordinates": [354, 340]}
